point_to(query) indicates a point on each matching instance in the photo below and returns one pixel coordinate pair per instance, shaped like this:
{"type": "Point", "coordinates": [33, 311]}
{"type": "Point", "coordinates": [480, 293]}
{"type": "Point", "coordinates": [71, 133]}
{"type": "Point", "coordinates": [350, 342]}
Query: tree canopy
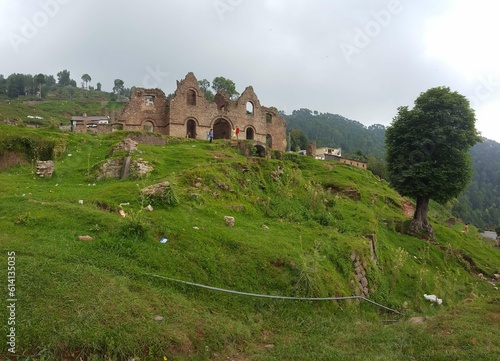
{"type": "Point", "coordinates": [118, 87]}
{"type": "Point", "coordinates": [63, 77]}
{"type": "Point", "coordinates": [227, 85]}
{"type": "Point", "coordinates": [428, 150]}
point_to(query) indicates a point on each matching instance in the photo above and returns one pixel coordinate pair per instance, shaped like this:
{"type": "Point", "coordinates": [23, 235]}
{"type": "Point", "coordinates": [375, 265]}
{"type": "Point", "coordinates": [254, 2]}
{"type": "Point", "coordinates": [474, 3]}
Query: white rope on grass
{"type": "Point", "coordinates": [277, 297]}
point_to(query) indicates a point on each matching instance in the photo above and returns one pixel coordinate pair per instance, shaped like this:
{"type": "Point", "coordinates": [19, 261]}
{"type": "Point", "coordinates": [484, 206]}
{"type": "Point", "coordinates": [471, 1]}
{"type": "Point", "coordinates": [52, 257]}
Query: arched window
{"type": "Point", "coordinates": [249, 134]}
{"type": "Point", "coordinates": [191, 97]}
{"type": "Point", "coordinates": [148, 126]}
{"type": "Point", "coordinates": [249, 108]}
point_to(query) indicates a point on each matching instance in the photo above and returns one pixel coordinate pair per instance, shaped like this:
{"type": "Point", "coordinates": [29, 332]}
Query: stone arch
{"type": "Point", "coordinates": [148, 125]}
{"type": "Point", "coordinates": [191, 125]}
{"type": "Point", "coordinates": [116, 126]}
{"type": "Point", "coordinates": [222, 128]}
{"type": "Point", "coordinates": [249, 133]}
{"type": "Point", "coordinates": [269, 141]}
{"type": "Point", "coordinates": [260, 150]}
{"type": "Point", "coordinates": [191, 97]}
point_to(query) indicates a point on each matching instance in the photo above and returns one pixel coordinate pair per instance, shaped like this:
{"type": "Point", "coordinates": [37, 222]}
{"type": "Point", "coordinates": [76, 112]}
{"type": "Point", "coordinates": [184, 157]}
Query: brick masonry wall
{"type": "Point", "coordinates": [189, 106]}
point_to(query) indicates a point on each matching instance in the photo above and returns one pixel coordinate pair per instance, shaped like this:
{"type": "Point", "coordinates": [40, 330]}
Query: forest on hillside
{"type": "Point", "coordinates": [478, 205]}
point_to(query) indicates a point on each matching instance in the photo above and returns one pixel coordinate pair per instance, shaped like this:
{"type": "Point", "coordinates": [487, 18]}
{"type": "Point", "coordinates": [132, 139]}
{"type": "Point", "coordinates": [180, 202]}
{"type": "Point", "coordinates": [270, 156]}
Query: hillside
{"type": "Point", "coordinates": [477, 205]}
{"type": "Point", "coordinates": [58, 107]}
{"type": "Point", "coordinates": [302, 228]}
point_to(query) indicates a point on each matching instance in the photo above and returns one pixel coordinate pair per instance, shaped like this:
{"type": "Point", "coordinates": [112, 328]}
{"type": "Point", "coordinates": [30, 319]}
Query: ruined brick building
{"type": "Point", "coordinates": [187, 113]}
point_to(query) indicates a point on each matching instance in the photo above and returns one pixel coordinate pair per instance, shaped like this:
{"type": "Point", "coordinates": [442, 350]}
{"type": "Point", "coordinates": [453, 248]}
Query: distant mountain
{"type": "Point", "coordinates": [478, 205]}
{"type": "Point", "coordinates": [333, 130]}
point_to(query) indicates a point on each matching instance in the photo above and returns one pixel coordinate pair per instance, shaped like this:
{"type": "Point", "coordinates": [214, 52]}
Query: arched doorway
{"type": "Point", "coordinates": [190, 129]}
{"type": "Point", "coordinates": [222, 129]}
{"type": "Point", "coordinates": [269, 141]}
{"type": "Point", "coordinates": [260, 150]}
{"type": "Point", "coordinates": [249, 134]}
{"type": "Point", "coordinates": [148, 126]}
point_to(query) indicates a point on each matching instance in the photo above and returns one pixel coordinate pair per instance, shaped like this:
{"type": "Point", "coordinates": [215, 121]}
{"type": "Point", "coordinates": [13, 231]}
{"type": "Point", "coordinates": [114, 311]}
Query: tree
{"type": "Point", "coordinates": [118, 86]}
{"type": "Point", "coordinates": [3, 85]}
{"type": "Point", "coordinates": [298, 140]}
{"type": "Point", "coordinates": [227, 85]}
{"type": "Point", "coordinates": [205, 87]}
{"type": "Point", "coordinates": [72, 83]}
{"type": "Point", "coordinates": [15, 85]}
{"type": "Point", "coordinates": [40, 79]}
{"type": "Point", "coordinates": [428, 150]}
{"type": "Point", "coordinates": [63, 77]}
{"type": "Point", "coordinates": [50, 81]}
{"type": "Point", "coordinates": [86, 78]}
{"type": "Point", "coordinates": [98, 85]}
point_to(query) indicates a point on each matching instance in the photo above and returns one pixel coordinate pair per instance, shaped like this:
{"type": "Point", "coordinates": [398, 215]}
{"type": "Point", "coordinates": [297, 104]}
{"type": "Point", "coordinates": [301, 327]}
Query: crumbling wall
{"type": "Point", "coordinates": [146, 111]}
{"type": "Point", "coordinates": [189, 104]}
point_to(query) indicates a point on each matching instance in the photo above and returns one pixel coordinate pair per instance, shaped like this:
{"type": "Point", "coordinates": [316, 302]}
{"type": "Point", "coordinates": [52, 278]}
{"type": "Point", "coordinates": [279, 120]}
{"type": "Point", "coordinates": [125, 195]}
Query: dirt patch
{"type": "Point", "coordinates": [146, 138]}
{"type": "Point", "coordinates": [11, 159]}
{"type": "Point", "coordinates": [408, 209]}
{"type": "Point", "coordinates": [221, 155]}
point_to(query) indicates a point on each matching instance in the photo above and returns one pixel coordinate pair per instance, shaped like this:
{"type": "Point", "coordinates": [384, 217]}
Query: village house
{"type": "Point", "coordinates": [81, 124]}
{"type": "Point", "coordinates": [335, 154]}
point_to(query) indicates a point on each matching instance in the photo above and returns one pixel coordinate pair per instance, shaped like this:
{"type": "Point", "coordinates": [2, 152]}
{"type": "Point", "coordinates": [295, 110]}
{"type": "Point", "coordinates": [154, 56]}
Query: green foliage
{"type": "Point", "coordinates": [336, 131]}
{"type": "Point", "coordinates": [226, 85]}
{"type": "Point", "coordinates": [298, 140]}
{"type": "Point", "coordinates": [428, 146]}
{"type": "Point", "coordinates": [64, 77]}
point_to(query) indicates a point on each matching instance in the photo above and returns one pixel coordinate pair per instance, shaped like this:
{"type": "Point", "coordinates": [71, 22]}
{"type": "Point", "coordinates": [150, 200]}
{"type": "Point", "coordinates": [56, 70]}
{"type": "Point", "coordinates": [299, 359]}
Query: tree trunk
{"type": "Point", "coordinates": [420, 222]}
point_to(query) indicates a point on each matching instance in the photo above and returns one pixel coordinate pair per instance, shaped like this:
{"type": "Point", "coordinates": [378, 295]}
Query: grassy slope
{"type": "Point", "coordinates": [97, 299]}
{"type": "Point", "coordinates": [57, 108]}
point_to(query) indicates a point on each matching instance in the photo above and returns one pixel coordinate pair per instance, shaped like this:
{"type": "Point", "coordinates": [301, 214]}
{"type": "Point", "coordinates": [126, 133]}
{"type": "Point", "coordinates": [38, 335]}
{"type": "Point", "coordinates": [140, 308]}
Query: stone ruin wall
{"type": "Point", "coordinates": [189, 103]}
{"type": "Point", "coordinates": [146, 107]}
{"type": "Point", "coordinates": [171, 116]}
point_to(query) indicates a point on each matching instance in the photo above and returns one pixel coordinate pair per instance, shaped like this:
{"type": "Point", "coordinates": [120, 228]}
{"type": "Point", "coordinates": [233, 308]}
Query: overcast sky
{"type": "Point", "coordinates": [358, 58]}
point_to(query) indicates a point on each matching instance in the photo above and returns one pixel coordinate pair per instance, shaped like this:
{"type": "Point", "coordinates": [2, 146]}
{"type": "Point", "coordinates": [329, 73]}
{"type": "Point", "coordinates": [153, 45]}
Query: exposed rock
{"type": "Point", "coordinates": [85, 238]}
{"type": "Point", "coordinates": [111, 169]}
{"type": "Point", "coordinates": [141, 168]}
{"type": "Point", "coordinates": [158, 318]}
{"type": "Point", "coordinates": [229, 221]}
{"type": "Point", "coordinates": [45, 168]}
{"type": "Point", "coordinates": [156, 190]}
{"type": "Point", "coordinates": [416, 320]}
{"type": "Point", "coordinates": [126, 144]}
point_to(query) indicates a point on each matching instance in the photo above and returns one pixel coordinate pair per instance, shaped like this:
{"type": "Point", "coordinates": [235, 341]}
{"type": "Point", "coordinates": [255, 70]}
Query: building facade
{"type": "Point", "coordinates": [187, 113]}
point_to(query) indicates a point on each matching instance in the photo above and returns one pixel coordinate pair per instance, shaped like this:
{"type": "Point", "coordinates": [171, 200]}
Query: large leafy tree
{"type": "Point", "coordinates": [86, 78]}
{"type": "Point", "coordinates": [227, 85]}
{"type": "Point", "coordinates": [118, 87]}
{"type": "Point", "coordinates": [428, 150]}
{"type": "Point", "coordinates": [63, 77]}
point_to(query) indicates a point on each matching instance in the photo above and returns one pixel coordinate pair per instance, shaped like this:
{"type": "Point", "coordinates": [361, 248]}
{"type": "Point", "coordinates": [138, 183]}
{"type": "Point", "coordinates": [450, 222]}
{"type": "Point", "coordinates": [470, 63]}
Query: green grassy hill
{"type": "Point", "coordinates": [303, 228]}
{"type": "Point", "coordinates": [58, 107]}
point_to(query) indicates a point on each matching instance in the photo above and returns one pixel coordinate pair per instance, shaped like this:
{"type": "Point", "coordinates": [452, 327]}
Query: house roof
{"type": "Point", "coordinates": [80, 118]}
